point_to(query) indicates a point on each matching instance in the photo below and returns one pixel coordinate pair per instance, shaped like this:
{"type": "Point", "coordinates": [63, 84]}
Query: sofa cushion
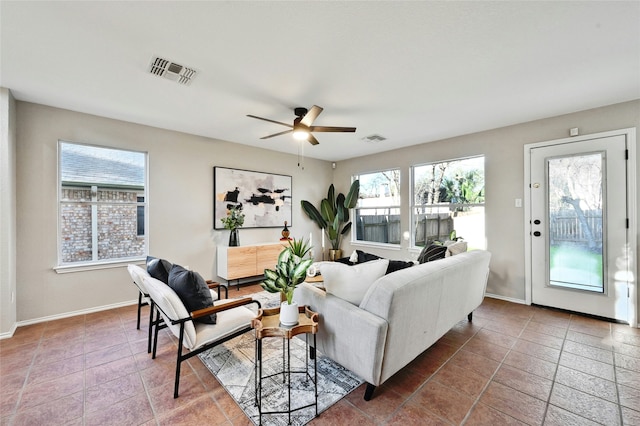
{"type": "Point", "coordinates": [158, 268]}
{"type": "Point", "coordinates": [192, 289]}
{"type": "Point", "coordinates": [352, 282]}
{"type": "Point", "coordinates": [432, 252]}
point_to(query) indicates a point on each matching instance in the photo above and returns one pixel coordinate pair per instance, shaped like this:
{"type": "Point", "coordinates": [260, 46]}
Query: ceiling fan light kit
{"type": "Point", "coordinates": [302, 125]}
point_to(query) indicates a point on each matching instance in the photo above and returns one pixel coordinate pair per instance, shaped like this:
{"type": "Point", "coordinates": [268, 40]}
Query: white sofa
{"type": "Point", "coordinates": [402, 314]}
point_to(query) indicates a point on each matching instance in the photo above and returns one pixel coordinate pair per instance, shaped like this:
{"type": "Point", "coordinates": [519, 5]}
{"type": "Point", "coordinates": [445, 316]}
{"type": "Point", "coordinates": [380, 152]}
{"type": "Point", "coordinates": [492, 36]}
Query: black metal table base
{"type": "Point", "coordinates": [286, 376]}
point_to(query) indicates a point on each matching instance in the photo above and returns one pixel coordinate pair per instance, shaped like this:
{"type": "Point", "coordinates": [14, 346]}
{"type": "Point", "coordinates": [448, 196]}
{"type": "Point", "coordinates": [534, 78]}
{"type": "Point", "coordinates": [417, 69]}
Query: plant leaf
{"type": "Point", "coordinates": [331, 195]}
{"type": "Point", "coordinates": [352, 197]}
{"type": "Point", "coordinates": [328, 210]}
{"type": "Point", "coordinates": [346, 228]}
{"type": "Point", "coordinates": [340, 209]}
{"type": "Point", "coordinates": [313, 214]}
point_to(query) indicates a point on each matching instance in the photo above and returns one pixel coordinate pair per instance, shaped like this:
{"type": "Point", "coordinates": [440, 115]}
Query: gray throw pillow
{"type": "Point", "coordinates": [192, 289]}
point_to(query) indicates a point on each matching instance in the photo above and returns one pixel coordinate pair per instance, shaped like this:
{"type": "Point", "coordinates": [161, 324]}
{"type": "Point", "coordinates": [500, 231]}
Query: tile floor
{"type": "Point", "coordinates": [514, 364]}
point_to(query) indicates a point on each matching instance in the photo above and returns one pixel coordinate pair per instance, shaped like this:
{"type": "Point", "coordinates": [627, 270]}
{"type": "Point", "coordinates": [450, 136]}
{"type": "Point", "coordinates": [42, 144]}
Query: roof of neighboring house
{"type": "Point", "coordinates": [84, 164]}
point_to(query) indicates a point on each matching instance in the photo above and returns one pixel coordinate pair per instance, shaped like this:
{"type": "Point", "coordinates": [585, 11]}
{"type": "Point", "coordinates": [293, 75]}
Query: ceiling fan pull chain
{"type": "Point", "coordinates": [301, 155]}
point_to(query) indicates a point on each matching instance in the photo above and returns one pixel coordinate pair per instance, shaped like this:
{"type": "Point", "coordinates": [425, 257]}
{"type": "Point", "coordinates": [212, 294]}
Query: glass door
{"type": "Point", "coordinates": [578, 226]}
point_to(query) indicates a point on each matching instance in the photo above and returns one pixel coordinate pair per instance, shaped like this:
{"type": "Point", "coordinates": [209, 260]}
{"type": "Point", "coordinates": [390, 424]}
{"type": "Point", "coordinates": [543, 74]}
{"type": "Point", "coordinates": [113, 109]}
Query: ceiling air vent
{"type": "Point", "coordinates": [374, 138]}
{"type": "Point", "coordinates": [172, 71]}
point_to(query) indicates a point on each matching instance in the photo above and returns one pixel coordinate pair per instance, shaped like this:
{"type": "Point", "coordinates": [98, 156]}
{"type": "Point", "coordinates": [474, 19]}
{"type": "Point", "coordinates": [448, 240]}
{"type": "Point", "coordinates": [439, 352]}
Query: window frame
{"type": "Point", "coordinates": [87, 265]}
{"type": "Point", "coordinates": [354, 231]}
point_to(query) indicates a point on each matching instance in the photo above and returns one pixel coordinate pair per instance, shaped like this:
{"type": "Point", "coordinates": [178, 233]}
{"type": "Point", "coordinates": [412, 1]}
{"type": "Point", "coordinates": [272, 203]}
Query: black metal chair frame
{"type": "Point", "coordinates": [159, 324]}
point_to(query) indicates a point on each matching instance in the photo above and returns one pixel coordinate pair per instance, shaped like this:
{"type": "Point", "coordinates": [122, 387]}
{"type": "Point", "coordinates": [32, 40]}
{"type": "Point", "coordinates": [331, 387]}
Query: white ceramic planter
{"type": "Point", "coordinates": [289, 313]}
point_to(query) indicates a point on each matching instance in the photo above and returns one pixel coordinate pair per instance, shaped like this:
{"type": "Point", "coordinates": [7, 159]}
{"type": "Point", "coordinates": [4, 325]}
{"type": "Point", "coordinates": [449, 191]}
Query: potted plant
{"type": "Point", "coordinates": [290, 271]}
{"type": "Point", "coordinates": [233, 221]}
{"type": "Point", "coordinates": [333, 216]}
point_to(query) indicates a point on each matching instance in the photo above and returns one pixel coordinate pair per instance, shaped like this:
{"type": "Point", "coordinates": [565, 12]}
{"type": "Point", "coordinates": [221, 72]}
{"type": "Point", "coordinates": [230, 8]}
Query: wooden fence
{"type": "Point", "coordinates": [380, 228]}
{"type": "Point", "coordinates": [433, 226]}
{"type": "Point", "coordinates": [386, 228]}
{"type": "Point", "coordinates": [567, 227]}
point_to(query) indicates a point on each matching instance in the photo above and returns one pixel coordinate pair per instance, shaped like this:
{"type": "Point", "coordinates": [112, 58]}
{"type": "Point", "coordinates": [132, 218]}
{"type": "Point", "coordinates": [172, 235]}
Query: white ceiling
{"type": "Point", "coordinates": [412, 72]}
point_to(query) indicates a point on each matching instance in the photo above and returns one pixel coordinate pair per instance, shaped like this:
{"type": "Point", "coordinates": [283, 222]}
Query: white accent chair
{"type": "Point", "coordinates": [137, 274]}
{"type": "Point", "coordinates": [233, 319]}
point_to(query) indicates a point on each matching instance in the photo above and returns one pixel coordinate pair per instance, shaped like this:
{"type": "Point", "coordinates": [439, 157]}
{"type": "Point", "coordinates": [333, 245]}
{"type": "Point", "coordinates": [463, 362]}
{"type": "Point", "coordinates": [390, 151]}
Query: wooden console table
{"type": "Point", "coordinates": [235, 263]}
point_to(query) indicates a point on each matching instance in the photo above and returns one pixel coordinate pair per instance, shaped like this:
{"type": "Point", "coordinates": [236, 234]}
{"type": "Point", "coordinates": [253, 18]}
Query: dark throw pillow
{"type": "Point", "coordinates": [396, 265]}
{"type": "Point", "coordinates": [344, 260]}
{"type": "Point", "coordinates": [366, 257]}
{"type": "Point", "coordinates": [432, 252]}
{"type": "Point", "coordinates": [192, 289]}
{"type": "Point", "coordinates": [158, 268]}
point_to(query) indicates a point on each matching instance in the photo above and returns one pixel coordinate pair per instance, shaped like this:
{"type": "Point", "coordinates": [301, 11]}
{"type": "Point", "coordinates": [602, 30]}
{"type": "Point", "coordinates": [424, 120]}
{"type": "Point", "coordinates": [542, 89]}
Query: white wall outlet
{"type": "Point", "coordinates": [573, 131]}
{"type": "Point", "coordinates": [518, 202]}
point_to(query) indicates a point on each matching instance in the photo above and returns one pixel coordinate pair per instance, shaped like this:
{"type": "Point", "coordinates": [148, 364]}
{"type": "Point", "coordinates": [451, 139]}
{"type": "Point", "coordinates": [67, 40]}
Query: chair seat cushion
{"type": "Point", "coordinates": [228, 322]}
{"type": "Point", "coordinates": [192, 289]}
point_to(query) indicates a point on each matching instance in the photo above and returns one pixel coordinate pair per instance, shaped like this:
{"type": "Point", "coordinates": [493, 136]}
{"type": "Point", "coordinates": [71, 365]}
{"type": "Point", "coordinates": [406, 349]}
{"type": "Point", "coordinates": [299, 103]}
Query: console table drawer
{"type": "Point", "coordinates": [241, 262]}
{"type": "Point", "coordinates": [247, 261]}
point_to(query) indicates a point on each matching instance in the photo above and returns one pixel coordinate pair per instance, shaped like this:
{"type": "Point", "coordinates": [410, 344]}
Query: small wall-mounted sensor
{"type": "Point", "coordinates": [573, 131]}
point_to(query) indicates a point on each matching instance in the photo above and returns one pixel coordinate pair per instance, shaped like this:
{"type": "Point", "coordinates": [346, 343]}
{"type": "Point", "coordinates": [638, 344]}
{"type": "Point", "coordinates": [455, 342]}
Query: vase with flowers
{"type": "Point", "coordinates": [233, 222]}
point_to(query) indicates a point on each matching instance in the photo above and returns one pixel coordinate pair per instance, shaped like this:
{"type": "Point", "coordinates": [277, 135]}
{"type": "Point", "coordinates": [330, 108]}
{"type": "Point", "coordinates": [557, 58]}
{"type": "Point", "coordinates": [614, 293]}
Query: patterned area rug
{"type": "Point", "coordinates": [232, 364]}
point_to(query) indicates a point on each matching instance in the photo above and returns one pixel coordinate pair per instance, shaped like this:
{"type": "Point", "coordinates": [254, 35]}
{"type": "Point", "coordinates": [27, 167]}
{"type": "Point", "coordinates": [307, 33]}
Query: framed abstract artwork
{"type": "Point", "coordinates": [265, 198]}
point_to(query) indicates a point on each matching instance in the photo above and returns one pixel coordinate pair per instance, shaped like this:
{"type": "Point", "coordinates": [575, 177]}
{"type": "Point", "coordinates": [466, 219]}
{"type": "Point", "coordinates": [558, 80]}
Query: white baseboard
{"type": "Point", "coordinates": [9, 333]}
{"type": "Point", "coordinates": [505, 298]}
{"type": "Point", "coordinates": [75, 313]}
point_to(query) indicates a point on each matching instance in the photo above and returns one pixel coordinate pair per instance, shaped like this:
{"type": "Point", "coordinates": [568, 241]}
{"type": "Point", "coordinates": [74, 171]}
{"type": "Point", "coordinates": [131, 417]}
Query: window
{"type": "Point", "coordinates": [140, 215]}
{"type": "Point", "coordinates": [378, 211]}
{"type": "Point", "coordinates": [102, 204]}
{"type": "Point", "coordinates": [448, 196]}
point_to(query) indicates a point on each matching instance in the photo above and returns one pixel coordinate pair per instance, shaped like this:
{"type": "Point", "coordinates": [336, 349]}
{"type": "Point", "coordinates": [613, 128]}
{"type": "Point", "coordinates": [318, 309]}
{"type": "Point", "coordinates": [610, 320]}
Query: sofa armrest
{"type": "Point", "coordinates": [347, 334]}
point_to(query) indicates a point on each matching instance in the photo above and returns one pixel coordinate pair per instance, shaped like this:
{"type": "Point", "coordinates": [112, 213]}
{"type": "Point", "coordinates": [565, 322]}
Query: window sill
{"type": "Point", "coordinates": [94, 266]}
{"type": "Point", "coordinates": [386, 246]}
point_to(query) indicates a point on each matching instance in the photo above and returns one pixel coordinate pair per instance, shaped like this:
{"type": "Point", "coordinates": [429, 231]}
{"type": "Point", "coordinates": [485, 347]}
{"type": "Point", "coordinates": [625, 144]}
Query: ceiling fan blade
{"type": "Point", "coordinates": [312, 140]}
{"type": "Point", "coordinates": [311, 115]}
{"type": "Point", "coordinates": [277, 134]}
{"type": "Point", "coordinates": [270, 121]}
{"type": "Point", "coordinates": [331, 129]}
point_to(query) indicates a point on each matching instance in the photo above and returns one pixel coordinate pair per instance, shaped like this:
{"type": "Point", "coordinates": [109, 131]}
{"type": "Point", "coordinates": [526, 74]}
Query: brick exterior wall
{"type": "Point", "coordinates": [117, 223]}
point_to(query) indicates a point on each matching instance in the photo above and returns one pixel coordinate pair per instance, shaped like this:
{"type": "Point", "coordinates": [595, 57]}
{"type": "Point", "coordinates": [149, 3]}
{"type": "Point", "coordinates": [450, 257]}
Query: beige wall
{"type": "Point", "coordinates": [504, 180]}
{"type": "Point", "coordinates": [180, 204]}
{"type": "Point", "coordinates": [180, 191]}
{"type": "Point", "coordinates": [7, 212]}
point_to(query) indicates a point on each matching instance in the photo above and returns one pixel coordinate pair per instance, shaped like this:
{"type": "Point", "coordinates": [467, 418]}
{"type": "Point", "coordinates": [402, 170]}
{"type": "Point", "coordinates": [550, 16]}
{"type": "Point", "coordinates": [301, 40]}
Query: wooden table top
{"type": "Point", "coordinates": [267, 323]}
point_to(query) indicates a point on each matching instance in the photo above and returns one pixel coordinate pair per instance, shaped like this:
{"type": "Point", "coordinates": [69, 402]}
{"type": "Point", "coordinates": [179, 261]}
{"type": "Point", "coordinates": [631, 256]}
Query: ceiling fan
{"type": "Point", "coordinates": [302, 125]}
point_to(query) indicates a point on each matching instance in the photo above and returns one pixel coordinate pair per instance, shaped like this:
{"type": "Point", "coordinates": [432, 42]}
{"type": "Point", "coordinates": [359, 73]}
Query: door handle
{"type": "Point", "coordinates": [536, 222]}
{"type": "Point", "coordinates": [537, 233]}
